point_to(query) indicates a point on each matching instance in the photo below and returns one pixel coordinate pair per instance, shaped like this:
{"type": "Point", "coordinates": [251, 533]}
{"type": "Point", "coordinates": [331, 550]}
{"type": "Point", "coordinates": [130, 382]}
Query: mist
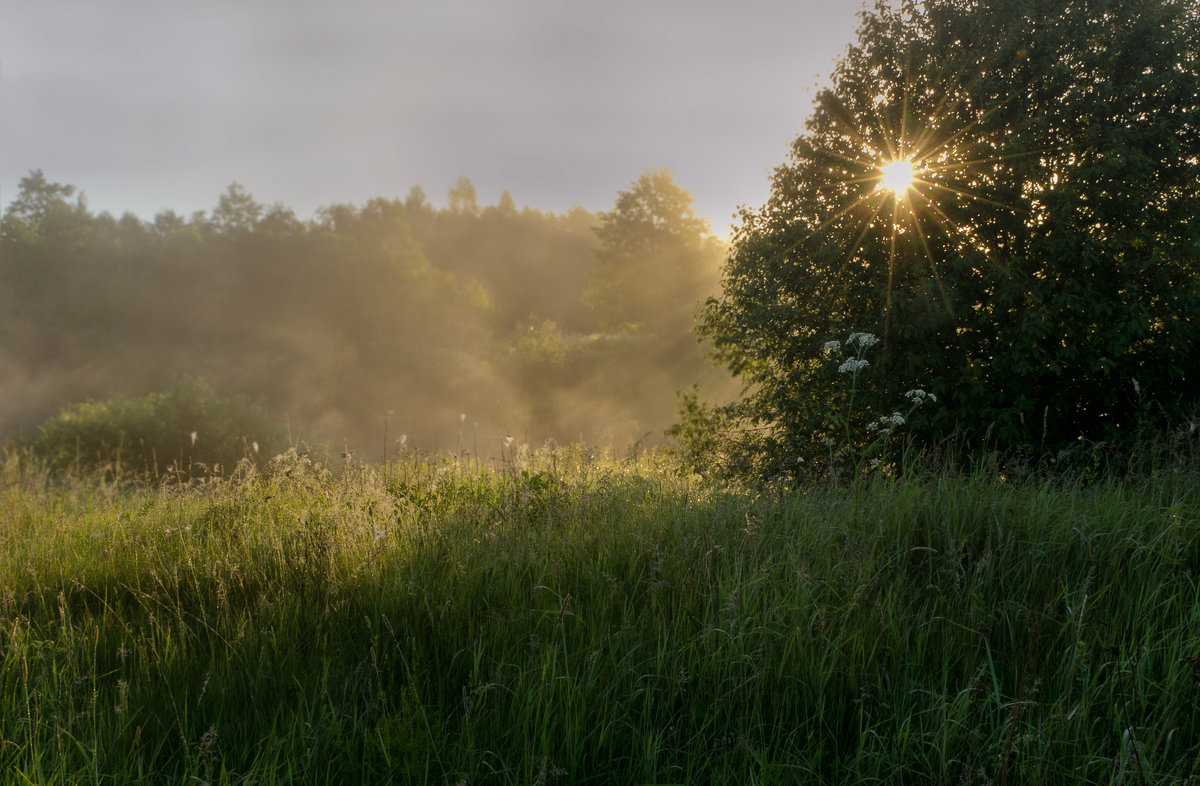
{"type": "Point", "coordinates": [396, 324]}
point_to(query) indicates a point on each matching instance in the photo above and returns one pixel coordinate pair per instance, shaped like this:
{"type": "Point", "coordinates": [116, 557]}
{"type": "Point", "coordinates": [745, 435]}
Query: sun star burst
{"type": "Point", "coordinates": [897, 176]}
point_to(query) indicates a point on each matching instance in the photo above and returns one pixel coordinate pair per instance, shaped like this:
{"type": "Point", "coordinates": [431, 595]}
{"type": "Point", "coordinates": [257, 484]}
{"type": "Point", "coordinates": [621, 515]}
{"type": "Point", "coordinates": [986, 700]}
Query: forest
{"type": "Point", "coordinates": [373, 328]}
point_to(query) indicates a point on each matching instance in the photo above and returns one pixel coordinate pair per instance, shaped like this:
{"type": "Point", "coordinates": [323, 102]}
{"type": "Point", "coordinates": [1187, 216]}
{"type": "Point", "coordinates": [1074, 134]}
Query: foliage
{"type": "Point", "coordinates": [236, 212]}
{"type": "Point", "coordinates": [856, 442]}
{"type": "Point", "coordinates": [657, 261]}
{"type": "Point", "coordinates": [570, 620]}
{"type": "Point", "coordinates": [394, 309]}
{"type": "Point", "coordinates": [186, 431]}
{"type": "Point", "coordinates": [37, 201]}
{"type": "Point", "coordinates": [462, 197]}
{"type": "Point", "coordinates": [1040, 274]}
{"type": "Point", "coordinates": [701, 440]}
{"type": "Point", "coordinates": [540, 351]}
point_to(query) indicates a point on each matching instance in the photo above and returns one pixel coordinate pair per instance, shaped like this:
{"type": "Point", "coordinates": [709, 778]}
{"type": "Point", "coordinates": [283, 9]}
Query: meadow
{"type": "Point", "coordinates": [565, 617]}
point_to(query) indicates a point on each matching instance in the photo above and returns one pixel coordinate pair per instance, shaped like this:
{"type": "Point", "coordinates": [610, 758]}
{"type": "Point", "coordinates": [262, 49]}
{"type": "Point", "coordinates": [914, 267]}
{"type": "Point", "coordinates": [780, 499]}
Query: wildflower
{"type": "Point", "coordinates": [852, 366]}
{"type": "Point", "coordinates": [864, 340]}
{"type": "Point", "coordinates": [919, 396]}
{"type": "Point", "coordinates": [886, 423]}
{"type": "Point", "coordinates": [832, 346]}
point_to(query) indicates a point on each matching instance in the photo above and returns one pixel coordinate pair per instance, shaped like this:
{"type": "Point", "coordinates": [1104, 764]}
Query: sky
{"type": "Point", "coordinates": [154, 105]}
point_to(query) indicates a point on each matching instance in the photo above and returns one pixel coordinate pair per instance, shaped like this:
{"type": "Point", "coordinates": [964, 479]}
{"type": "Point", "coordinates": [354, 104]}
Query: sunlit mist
{"type": "Point", "coordinates": [448, 326]}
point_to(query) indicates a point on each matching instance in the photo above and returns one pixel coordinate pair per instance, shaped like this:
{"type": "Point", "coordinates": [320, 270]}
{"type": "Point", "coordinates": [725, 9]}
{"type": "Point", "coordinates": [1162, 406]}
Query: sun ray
{"type": "Point", "coordinates": [867, 223]}
{"type": "Point", "coordinates": [865, 163]}
{"type": "Point", "coordinates": [966, 162]}
{"type": "Point", "coordinates": [975, 197]}
{"type": "Point", "coordinates": [966, 129]}
{"type": "Point", "coordinates": [932, 265]}
{"type": "Point", "coordinates": [848, 208]}
{"type": "Point", "coordinates": [866, 226]}
{"type": "Point", "coordinates": [948, 224]}
{"type": "Point", "coordinates": [887, 309]}
{"type": "Point", "coordinates": [844, 119]}
{"type": "Point", "coordinates": [904, 116]}
{"type": "Point", "coordinates": [954, 233]}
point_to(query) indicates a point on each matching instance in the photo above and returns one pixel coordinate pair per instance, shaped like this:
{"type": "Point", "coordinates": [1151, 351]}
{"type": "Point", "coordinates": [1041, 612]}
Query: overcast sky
{"type": "Point", "coordinates": [159, 104]}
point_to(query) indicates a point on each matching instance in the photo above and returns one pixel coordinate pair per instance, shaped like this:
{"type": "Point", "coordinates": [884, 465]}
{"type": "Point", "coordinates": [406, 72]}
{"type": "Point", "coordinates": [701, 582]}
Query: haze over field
{"type": "Point", "coordinates": [468, 327]}
{"type": "Point", "coordinates": [361, 117]}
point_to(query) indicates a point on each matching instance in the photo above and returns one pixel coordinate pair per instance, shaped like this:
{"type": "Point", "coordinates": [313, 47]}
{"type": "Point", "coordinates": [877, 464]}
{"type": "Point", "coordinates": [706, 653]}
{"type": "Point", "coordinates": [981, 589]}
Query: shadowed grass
{"type": "Point", "coordinates": [578, 621]}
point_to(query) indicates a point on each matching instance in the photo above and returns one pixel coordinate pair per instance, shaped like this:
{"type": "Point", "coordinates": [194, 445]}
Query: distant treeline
{"type": "Point", "coordinates": [456, 326]}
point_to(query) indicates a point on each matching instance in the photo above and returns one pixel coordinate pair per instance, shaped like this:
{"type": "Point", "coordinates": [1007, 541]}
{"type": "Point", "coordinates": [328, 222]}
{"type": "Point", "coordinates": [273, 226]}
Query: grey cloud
{"type": "Point", "coordinates": [152, 105]}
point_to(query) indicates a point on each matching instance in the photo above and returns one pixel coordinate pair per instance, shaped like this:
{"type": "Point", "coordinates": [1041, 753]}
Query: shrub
{"type": "Point", "coordinates": [187, 431]}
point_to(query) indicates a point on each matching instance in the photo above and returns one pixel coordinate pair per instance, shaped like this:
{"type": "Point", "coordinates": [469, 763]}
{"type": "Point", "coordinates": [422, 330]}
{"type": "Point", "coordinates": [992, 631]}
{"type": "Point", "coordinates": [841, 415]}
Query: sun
{"type": "Point", "coordinates": [901, 175]}
{"type": "Point", "coordinates": [897, 176]}
{"type": "Point", "coordinates": [905, 165]}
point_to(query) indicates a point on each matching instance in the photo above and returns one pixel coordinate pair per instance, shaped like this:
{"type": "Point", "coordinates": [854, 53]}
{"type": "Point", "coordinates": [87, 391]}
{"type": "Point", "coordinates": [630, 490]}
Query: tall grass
{"type": "Point", "coordinates": [569, 620]}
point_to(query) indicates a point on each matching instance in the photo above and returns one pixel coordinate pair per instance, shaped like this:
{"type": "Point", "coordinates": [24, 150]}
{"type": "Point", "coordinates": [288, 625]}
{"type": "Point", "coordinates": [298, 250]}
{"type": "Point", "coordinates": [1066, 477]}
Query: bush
{"type": "Point", "coordinates": [187, 431]}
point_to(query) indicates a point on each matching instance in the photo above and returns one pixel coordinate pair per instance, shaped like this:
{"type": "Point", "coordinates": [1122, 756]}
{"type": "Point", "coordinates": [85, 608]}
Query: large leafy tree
{"type": "Point", "coordinates": [1038, 272]}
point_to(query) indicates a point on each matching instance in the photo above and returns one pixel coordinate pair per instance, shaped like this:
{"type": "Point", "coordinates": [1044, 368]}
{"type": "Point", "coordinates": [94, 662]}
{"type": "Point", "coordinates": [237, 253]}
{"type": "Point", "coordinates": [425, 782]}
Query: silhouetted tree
{"type": "Point", "coordinates": [37, 198]}
{"type": "Point", "coordinates": [236, 212]}
{"type": "Point", "coordinates": [1039, 274]}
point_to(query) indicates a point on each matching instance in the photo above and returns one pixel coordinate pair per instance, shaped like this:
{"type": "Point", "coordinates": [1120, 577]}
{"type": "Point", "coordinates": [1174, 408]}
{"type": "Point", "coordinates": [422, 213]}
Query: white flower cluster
{"type": "Point", "coordinates": [861, 341]}
{"type": "Point", "coordinates": [852, 366]}
{"type": "Point", "coordinates": [918, 396]}
{"type": "Point", "coordinates": [864, 340]}
{"type": "Point", "coordinates": [887, 422]}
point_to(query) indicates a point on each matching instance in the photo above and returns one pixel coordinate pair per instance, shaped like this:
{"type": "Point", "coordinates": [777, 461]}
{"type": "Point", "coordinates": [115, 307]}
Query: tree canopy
{"type": "Point", "coordinates": [1037, 273]}
{"type": "Point", "coordinates": [657, 260]}
{"type": "Point", "coordinates": [394, 309]}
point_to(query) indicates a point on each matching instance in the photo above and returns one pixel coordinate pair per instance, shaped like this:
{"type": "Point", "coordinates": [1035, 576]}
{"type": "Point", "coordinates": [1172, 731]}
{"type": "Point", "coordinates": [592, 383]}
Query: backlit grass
{"type": "Point", "coordinates": [571, 620]}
